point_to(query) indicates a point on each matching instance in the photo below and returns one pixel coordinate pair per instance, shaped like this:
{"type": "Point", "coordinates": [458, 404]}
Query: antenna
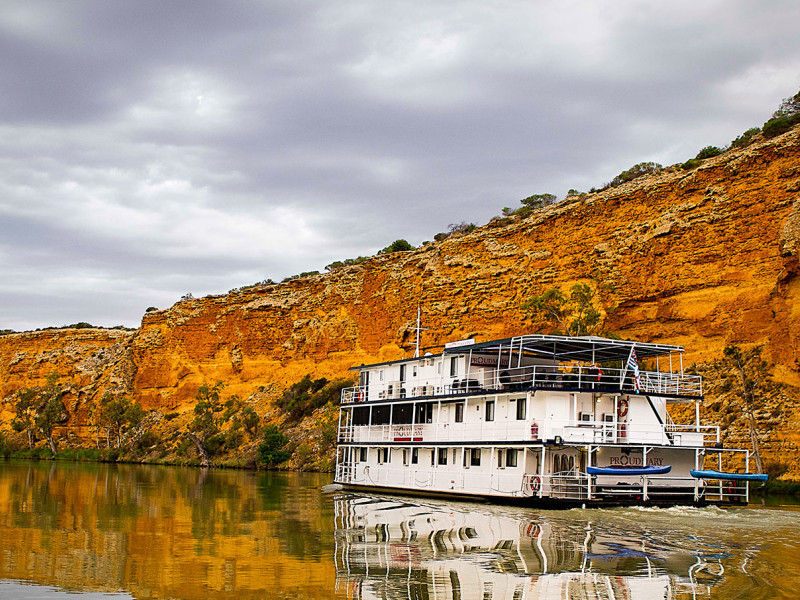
{"type": "Point", "coordinates": [418, 329]}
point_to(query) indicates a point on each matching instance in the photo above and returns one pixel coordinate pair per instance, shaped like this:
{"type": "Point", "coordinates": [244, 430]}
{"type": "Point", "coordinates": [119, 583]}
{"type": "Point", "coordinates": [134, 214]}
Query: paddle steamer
{"type": "Point", "coordinates": [537, 419]}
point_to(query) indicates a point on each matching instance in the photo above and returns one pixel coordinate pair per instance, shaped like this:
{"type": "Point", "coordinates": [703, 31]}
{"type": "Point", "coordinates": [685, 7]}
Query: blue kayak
{"type": "Point", "coordinates": [732, 476]}
{"type": "Point", "coordinates": [631, 470]}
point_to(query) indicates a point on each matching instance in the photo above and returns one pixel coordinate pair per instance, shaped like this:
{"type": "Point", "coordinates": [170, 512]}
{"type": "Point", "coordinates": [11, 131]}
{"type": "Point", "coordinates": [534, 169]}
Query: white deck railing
{"type": "Point", "coordinates": [539, 376]}
{"type": "Point", "coordinates": [570, 431]}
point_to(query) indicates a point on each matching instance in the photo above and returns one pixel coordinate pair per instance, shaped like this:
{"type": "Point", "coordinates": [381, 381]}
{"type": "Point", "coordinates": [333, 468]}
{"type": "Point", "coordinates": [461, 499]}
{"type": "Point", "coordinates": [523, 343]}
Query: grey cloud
{"type": "Point", "coordinates": [154, 148]}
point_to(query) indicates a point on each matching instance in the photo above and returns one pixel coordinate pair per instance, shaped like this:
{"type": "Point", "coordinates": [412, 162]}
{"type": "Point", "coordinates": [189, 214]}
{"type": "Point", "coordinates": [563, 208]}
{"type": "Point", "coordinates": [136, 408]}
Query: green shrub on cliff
{"type": "Point", "coordinates": [347, 262]}
{"type": "Point", "coordinates": [397, 246]}
{"type": "Point", "coordinates": [708, 152]}
{"type": "Point", "coordinates": [305, 396]}
{"type": "Point", "coordinates": [746, 138]}
{"type": "Point", "coordinates": [783, 119]}
{"type": "Point", "coordinates": [779, 125]}
{"type": "Point", "coordinates": [539, 200]}
{"type": "Point", "coordinates": [273, 448]}
{"type": "Point", "coordinates": [636, 171]}
{"type": "Point", "coordinates": [692, 163]}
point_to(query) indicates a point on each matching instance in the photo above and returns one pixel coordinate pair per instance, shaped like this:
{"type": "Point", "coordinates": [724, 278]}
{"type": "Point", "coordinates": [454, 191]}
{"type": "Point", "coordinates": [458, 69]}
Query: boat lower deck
{"type": "Point", "coordinates": [605, 498]}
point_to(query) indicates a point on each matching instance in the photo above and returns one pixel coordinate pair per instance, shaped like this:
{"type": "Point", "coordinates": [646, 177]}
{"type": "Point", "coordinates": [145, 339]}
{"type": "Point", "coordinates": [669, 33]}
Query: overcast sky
{"type": "Point", "coordinates": [154, 148]}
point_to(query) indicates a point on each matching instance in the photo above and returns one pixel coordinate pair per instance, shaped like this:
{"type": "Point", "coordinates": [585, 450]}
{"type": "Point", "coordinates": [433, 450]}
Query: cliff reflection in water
{"type": "Point", "coordinates": [166, 532]}
{"type": "Point", "coordinates": [390, 548]}
{"type": "Point", "coordinates": [159, 532]}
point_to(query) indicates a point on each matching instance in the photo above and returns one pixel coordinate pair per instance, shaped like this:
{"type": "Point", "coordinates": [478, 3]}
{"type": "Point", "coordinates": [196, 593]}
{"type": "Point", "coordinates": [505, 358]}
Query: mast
{"type": "Point", "coordinates": [418, 328]}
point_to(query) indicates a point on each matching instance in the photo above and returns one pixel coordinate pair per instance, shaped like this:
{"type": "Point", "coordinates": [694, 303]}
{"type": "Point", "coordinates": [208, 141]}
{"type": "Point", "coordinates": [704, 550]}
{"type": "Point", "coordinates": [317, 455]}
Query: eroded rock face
{"type": "Point", "coordinates": [89, 363]}
{"type": "Point", "coordinates": [700, 259]}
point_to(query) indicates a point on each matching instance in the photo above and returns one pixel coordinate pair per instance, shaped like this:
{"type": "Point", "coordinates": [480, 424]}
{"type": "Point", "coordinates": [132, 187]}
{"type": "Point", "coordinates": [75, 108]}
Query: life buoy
{"type": "Point", "coordinates": [533, 530]}
{"type": "Point", "coordinates": [622, 408]}
{"type": "Point", "coordinates": [534, 430]}
{"type": "Point", "coordinates": [535, 483]}
{"type": "Point", "coordinates": [360, 396]}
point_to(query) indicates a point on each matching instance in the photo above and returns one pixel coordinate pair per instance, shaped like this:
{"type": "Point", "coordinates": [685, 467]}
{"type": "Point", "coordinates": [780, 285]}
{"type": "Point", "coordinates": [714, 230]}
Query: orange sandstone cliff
{"type": "Point", "coordinates": [701, 258]}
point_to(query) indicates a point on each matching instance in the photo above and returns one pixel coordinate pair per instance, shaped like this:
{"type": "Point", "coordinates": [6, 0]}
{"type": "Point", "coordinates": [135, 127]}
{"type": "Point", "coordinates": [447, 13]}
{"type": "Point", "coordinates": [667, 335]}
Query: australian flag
{"type": "Point", "coordinates": [633, 365]}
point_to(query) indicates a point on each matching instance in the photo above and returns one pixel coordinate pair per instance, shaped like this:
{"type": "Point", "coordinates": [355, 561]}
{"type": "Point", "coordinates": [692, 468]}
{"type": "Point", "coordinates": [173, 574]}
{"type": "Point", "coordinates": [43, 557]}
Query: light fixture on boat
{"type": "Point", "coordinates": [557, 440]}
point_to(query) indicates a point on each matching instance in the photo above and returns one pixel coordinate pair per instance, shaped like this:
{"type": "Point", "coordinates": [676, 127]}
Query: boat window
{"type": "Point", "coordinates": [453, 366]}
{"type": "Point", "coordinates": [511, 457]}
{"type": "Point", "coordinates": [459, 413]}
{"type": "Point", "coordinates": [424, 413]}
{"type": "Point", "coordinates": [363, 378]}
{"type": "Point", "coordinates": [361, 415]}
{"type": "Point", "coordinates": [402, 372]}
{"type": "Point", "coordinates": [521, 405]}
{"type": "Point", "coordinates": [414, 456]}
{"type": "Point", "coordinates": [499, 459]}
{"type": "Point", "coordinates": [490, 410]}
{"type": "Point", "coordinates": [564, 463]}
{"type": "Point", "coordinates": [381, 414]}
{"type": "Point", "coordinates": [414, 371]}
{"type": "Point", "coordinates": [556, 462]}
{"type": "Point", "coordinates": [442, 456]}
{"type": "Point", "coordinates": [402, 414]}
{"type": "Point", "coordinates": [571, 463]}
{"type": "Point", "coordinates": [475, 457]}
{"type": "Point", "coordinates": [380, 375]}
{"type": "Point", "coordinates": [405, 456]}
{"type": "Point", "coordinates": [362, 455]}
{"type": "Point", "coordinates": [454, 455]}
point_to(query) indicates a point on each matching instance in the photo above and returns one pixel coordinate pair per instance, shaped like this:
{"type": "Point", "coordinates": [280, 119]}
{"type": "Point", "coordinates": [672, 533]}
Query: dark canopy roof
{"type": "Point", "coordinates": [562, 348]}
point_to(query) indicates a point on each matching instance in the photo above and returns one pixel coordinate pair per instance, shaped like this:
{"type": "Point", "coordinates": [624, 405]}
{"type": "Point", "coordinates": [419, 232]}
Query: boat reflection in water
{"type": "Point", "coordinates": [390, 548]}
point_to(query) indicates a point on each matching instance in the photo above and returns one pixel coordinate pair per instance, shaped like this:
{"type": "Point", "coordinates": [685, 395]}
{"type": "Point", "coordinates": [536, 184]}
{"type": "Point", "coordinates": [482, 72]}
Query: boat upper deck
{"type": "Point", "coordinates": [582, 364]}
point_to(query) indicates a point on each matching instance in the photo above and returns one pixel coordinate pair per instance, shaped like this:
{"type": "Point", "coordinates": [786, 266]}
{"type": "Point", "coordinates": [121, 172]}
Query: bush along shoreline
{"type": "Point", "coordinates": [220, 430]}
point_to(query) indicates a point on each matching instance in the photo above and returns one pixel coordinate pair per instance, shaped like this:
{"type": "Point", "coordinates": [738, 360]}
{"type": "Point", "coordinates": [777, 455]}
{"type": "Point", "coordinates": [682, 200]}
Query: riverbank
{"type": "Point", "coordinates": [113, 456]}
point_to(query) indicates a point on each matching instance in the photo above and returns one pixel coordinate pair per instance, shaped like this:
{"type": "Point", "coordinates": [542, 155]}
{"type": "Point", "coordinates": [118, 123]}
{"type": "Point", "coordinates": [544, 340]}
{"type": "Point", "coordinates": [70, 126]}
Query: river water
{"type": "Point", "coordinates": [71, 531]}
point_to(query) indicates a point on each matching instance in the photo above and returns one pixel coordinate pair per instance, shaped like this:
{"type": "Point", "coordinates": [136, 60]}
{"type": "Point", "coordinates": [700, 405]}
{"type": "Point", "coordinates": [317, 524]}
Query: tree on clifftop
{"type": "Point", "coordinates": [539, 200]}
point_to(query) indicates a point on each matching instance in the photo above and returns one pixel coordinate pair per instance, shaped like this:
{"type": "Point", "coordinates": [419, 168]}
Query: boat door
{"type": "Point", "coordinates": [402, 381]}
{"type": "Point", "coordinates": [622, 419]}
